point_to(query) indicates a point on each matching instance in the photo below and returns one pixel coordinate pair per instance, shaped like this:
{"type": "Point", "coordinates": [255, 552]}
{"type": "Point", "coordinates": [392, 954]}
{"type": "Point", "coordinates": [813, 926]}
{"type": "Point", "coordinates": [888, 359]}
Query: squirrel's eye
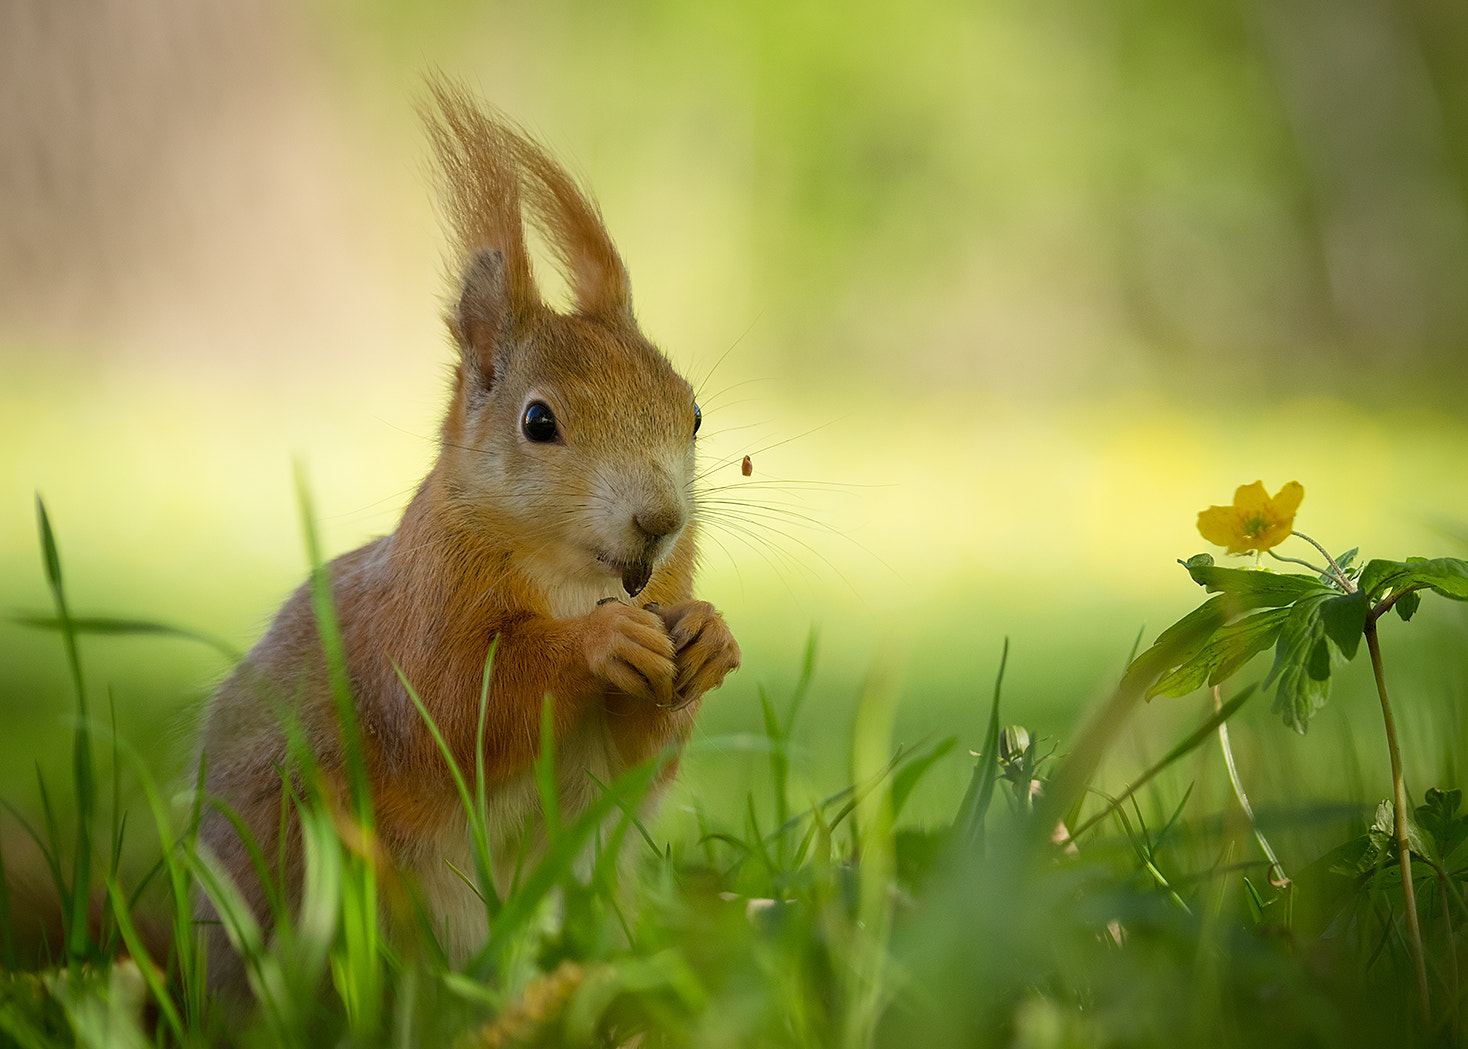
{"type": "Point", "coordinates": [697, 418]}
{"type": "Point", "coordinates": [539, 423]}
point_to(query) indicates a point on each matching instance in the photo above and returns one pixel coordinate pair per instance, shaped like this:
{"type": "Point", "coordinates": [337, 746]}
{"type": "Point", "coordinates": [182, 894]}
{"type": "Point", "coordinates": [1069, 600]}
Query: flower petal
{"type": "Point", "coordinates": [1254, 521]}
{"type": "Point", "coordinates": [1287, 500]}
{"type": "Point", "coordinates": [1223, 526]}
{"type": "Point", "coordinates": [1251, 497]}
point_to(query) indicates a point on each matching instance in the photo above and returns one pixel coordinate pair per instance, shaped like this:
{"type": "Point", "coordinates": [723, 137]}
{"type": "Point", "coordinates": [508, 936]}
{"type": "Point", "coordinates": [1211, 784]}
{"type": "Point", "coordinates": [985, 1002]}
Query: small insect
{"type": "Point", "coordinates": [747, 467]}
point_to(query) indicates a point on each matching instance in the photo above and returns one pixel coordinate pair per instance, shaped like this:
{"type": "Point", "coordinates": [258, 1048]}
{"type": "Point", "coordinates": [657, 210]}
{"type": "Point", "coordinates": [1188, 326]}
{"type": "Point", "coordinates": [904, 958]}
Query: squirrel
{"type": "Point", "coordinates": [558, 523]}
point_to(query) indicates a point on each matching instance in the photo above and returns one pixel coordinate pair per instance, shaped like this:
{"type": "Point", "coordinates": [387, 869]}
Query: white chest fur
{"type": "Point", "coordinates": [516, 835]}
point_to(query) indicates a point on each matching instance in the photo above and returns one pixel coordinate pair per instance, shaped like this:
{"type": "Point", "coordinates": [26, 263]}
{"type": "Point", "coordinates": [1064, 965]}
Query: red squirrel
{"type": "Point", "coordinates": [558, 523]}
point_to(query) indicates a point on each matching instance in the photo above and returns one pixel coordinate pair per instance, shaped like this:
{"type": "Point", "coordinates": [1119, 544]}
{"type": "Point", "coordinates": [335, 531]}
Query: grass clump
{"type": "Point", "coordinates": [1043, 913]}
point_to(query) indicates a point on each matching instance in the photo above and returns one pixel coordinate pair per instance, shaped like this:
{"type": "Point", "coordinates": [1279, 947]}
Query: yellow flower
{"type": "Point", "coordinates": [1255, 521]}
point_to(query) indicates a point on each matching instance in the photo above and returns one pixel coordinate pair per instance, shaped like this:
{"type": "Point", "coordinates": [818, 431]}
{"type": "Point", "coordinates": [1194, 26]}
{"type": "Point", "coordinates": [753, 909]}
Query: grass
{"type": "Point", "coordinates": [798, 913]}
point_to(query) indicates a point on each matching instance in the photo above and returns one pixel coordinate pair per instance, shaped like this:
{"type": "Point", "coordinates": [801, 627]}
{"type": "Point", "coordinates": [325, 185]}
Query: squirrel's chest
{"type": "Point", "coordinates": [515, 832]}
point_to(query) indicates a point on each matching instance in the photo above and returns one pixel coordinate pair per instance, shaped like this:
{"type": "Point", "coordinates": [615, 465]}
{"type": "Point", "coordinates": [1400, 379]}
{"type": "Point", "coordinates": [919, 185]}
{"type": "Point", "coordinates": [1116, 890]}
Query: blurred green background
{"type": "Point", "coordinates": [997, 296]}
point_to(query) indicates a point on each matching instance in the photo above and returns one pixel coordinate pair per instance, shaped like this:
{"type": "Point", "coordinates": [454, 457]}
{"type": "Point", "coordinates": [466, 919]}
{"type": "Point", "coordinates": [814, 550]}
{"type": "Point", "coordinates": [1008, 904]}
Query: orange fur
{"type": "Point", "coordinates": [507, 538]}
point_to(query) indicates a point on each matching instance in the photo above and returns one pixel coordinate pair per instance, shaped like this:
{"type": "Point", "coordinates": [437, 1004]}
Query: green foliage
{"type": "Point", "coordinates": [969, 826]}
{"type": "Point", "coordinates": [1315, 624]}
{"type": "Point", "coordinates": [1447, 576]}
{"type": "Point", "coordinates": [1134, 923]}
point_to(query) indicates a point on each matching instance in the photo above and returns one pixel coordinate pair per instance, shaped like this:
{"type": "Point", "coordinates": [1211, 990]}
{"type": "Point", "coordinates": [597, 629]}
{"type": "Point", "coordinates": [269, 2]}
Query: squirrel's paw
{"type": "Point", "coordinates": [630, 650]}
{"type": "Point", "coordinates": [705, 649]}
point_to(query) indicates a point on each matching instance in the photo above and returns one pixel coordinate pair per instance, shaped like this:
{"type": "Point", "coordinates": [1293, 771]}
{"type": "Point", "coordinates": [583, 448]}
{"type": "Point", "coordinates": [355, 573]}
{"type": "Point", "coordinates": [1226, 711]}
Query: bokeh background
{"type": "Point", "coordinates": [996, 295]}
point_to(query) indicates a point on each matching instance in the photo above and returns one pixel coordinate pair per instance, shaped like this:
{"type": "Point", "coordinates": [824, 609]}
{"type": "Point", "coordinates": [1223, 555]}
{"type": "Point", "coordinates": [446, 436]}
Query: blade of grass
{"type": "Point", "coordinates": [77, 945]}
{"type": "Point", "coordinates": [481, 782]}
{"type": "Point", "coordinates": [361, 981]}
{"type": "Point", "coordinates": [557, 864]}
{"type": "Point", "coordinates": [323, 601]}
{"type": "Point", "coordinates": [478, 828]}
{"type": "Point", "coordinates": [908, 777]}
{"type": "Point", "coordinates": [1199, 736]}
{"type": "Point", "coordinates": [174, 862]}
{"type": "Point", "coordinates": [261, 970]}
{"type": "Point", "coordinates": [867, 966]}
{"type": "Point", "coordinates": [632, 815]}
{"type": "Point", "coordinates": [545, 771]}
{"type": "Point", "coordinates": [779, 738]}
{"type": "Point", "coordinates": [779, 762]}
{"type": "Point", "coordinates": [18, 1027]}
{"type": "Point", "coordinates": [145, 965]}
{"type": "Point", "coordinates": [975, 806]}
{"type": "Point", "coordinates": [1076, 770]}
{"type": "Point", "coordinates": [116, 626]}
{"type": "Point", "coordinates": [7, 927]}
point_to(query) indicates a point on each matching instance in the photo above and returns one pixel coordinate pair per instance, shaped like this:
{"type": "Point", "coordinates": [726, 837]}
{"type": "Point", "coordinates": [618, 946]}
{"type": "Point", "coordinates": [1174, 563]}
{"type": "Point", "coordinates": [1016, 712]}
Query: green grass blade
{"type": "Point", "coordinates": [323, 601]}
{"type": "Point", "coordinates": [51, 851]}
{"type": "Point", "coordinates": [1202, 734]}
{"type": "Point", "coordinates": [145, 965]}
{"type": "Point", "coordinates": [802, 683]}
{"type": "Point", "coordinates": [557, 864]}
{"type": "Point", "coordinates": [116, 626]}
{"type": "Point", "coordinates": [631, 814]}
{"type": "Point", "coordinates": [7, 927]}
{"type": "Point", "coordinates": [857, 793]}
{"type": "Point", "coordinates": [779, 760]}
{"type": "Point", "coordinates": [908, 777]}
{"type": "Point", "coordinates": [77, 944]}
{"type": "Point", "coordinates": [545, 771]}
{"type": "Point", "coordinates": [174, 863]}
{"type": "Point", "coordinates": [975, 806]}
{"type": "Point", "coordinates": [480, 817]}
{"type": "Point", "coordinates": [21, 1030]}
{"type": "Point", "coordinates": [262, 970]}
{"type": "Point", "coordinates": [478, 828]}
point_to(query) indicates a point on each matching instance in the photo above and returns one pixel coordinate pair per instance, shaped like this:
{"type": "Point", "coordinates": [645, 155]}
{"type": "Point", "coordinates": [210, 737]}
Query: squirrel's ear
{"type": "Point", "coordinates": [483, 317]}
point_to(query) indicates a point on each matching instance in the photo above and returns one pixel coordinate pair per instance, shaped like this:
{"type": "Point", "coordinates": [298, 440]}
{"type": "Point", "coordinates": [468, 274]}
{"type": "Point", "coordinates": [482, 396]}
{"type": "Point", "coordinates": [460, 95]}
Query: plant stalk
{"type": "Point", "coordinates": [1399, 808]}
{"type": "Point", "coordinates": [1455, 981]}
{"type": "Point", "coordinates": [1277, 875]}
{"type": "Point", "coordinates": [1335, 569]}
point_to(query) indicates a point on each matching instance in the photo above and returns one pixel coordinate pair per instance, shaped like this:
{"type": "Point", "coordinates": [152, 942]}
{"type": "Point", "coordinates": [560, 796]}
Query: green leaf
{"type": "Point", "coordinates": [1183, 640]}
{"type": "Point", "coordinates": [1383, 850]}
{"type": "Point", "coordinates": [1255, 902]}
{"type": "Point", "coordinates": [1344, 618]}
{"type": "Point", "coordinates": [1448, 576]}
{"type": "Point", "coordinates": [1252, 588]}
{"type": "Point", "coordinates": [1302, 662]}
{"type": "Point", "coordinates": [1319, 665]}
{"type": "Point", "coordinates": [1438, 817]}
{"type": "Point", "coordinates": [1221, 657]}
{"type": "Point", "coordinates": [112, 626]}
{"type": "Point", "coordinates": [1408, 604]}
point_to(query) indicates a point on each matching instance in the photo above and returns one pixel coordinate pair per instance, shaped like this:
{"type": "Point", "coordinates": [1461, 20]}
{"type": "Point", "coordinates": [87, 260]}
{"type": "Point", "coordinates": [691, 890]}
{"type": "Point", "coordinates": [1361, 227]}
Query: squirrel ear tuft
{"type": "Point", "coordinates": [483, 317]}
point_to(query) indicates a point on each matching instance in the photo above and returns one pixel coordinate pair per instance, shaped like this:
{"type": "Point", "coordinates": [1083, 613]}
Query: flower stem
{"type": "Point", "coordinates": [1335, 569]}
{"type": "Point", "coordinates": [1297, 561]}
{"type": "Point", "coordinates": [1277, 876]}
{"type": "Point", "coordinates": [1399, 808]}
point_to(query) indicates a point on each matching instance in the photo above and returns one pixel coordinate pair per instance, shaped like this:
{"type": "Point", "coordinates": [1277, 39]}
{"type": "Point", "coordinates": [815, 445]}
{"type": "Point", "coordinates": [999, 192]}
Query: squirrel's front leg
{"type": "Point", "coordinates": [702, 651]}
{"type": "Point", "coordinates": [705, 649]}
{"type": "Point", "coordinates": [615, 649]}
{"type": "Point", "coordinates": [629, 649]}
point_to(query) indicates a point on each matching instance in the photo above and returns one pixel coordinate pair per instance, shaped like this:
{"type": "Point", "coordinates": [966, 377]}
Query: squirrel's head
{"type": "Point", "coordinates": [569, 434]}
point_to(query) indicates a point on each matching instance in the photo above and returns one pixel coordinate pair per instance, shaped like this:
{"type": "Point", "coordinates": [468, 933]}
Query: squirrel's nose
{"type": "Point", "coordinates": [656, 523]}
